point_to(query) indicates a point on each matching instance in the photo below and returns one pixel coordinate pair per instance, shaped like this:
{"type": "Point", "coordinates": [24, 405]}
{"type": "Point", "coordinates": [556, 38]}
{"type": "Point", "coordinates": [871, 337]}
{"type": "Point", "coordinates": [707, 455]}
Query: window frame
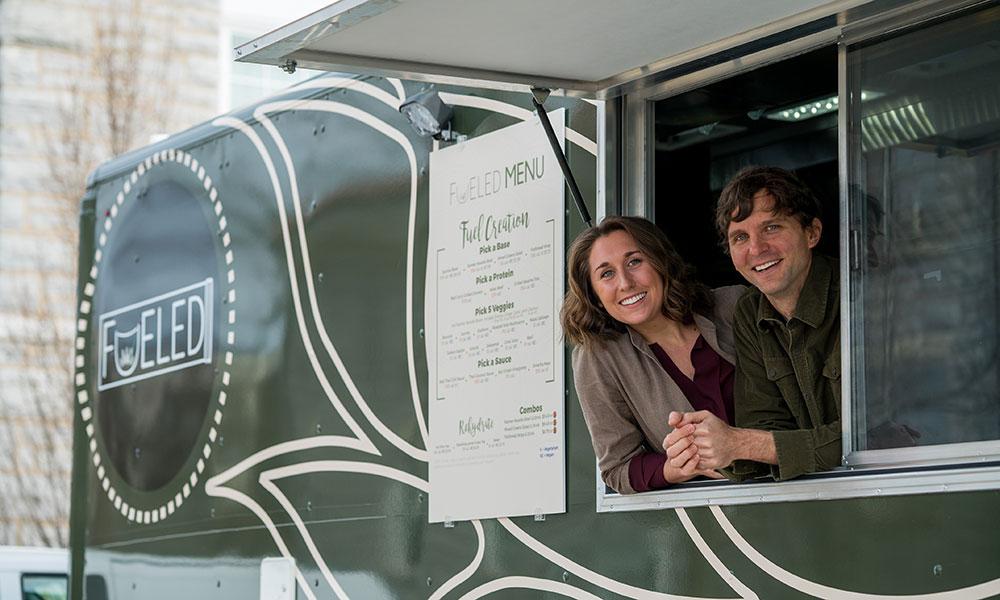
{"type": "Point", "coordinates": [865, 473]}
{"type": "Point", "coordinates": [43, 575]}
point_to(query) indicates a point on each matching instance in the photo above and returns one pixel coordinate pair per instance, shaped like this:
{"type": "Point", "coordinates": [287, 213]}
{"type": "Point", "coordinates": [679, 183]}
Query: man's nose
{"type": "Point", "coordinates": [757, 245]}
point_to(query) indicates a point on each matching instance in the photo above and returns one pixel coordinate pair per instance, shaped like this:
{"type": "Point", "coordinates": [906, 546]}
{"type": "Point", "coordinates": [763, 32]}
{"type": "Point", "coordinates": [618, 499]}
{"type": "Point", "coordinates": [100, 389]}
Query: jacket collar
{"type": "Point", "coordinates": [705, 326]}
{"type": "Point", "coordinates": [639, 342]}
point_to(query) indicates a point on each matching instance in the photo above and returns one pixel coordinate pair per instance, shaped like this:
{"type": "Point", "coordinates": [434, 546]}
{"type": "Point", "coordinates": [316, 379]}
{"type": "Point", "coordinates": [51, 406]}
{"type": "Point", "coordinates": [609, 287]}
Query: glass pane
{"type": "Point", "coordinates": [925, 207]}
{"type": "Point", "coordinates": [43, 587]}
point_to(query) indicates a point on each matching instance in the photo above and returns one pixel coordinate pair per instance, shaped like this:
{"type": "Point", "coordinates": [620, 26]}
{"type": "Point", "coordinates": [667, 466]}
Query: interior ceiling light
{"type": "Point", "coordinates": [427, 113]}
{"type": "Point", "coordinates": [805, 111]}
{"type": "Point", "coordinates": [815, 108]}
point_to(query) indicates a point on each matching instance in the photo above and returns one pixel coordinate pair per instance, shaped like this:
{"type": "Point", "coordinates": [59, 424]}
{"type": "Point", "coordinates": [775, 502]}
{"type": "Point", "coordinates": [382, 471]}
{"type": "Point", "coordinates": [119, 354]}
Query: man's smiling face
{"type": "Point", "coordinates": [773, 251]}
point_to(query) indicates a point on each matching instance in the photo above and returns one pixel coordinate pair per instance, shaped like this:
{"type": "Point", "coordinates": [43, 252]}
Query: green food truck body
{"type": "Point", "coordinates": [318, 351]}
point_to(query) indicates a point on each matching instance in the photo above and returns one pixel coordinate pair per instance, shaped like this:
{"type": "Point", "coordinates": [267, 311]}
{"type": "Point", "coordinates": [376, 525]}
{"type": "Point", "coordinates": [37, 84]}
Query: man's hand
{"type": "Point", "coordinates": [683, 462]}
{"type": "Point", "coordinates": [714, 442]}
{"type": "Point", "coordinates": [703, 435]}
{"type": "Point", "coordinates": [718, 444]}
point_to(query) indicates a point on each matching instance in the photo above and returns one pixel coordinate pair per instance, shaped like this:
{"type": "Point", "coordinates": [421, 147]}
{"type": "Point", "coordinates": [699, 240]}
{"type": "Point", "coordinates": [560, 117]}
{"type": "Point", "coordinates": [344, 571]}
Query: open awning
{"type": "Point", "coordinates": [583, 46]}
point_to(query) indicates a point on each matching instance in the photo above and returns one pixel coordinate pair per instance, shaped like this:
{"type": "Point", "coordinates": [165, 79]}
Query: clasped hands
{"type": "Point", "coordinates": [699, 444]}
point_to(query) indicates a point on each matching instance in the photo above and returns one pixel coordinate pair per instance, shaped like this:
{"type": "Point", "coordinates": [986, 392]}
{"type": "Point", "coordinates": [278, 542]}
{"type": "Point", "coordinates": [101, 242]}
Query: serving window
{"type": "Point", "coordinates": [899, 137]}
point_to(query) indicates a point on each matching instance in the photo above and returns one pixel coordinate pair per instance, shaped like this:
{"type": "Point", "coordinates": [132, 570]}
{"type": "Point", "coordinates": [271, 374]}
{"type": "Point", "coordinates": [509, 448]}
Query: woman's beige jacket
{"type": "Point", "coordinates": [626, 395]}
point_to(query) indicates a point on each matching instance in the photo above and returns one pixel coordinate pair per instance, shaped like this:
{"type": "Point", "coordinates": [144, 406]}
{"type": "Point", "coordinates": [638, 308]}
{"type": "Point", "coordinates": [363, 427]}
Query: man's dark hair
{"type": "Point", "coordinates": [791, 197]}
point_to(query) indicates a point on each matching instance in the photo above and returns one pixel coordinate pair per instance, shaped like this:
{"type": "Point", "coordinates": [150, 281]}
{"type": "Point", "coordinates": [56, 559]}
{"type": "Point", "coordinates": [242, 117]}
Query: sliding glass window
{"type": "Point", "coordinates": [924, 194]}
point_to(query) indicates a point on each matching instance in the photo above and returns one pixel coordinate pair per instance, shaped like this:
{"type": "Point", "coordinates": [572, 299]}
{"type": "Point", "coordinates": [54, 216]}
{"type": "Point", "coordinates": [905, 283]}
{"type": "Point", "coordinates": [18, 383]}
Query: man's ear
{"type": "Point", "coordinates": [813, 232]}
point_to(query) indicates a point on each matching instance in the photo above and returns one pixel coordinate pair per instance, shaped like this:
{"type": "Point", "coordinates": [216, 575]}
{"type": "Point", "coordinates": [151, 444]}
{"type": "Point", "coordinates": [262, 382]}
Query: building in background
{"type": "Point", "coordinates": [122, 73]}
{"type": "Point", "coordinates": [245, 20]}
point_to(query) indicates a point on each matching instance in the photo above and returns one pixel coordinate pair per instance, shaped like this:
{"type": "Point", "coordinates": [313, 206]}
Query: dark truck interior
{"type": "Point", "coordinates": [784, 114]}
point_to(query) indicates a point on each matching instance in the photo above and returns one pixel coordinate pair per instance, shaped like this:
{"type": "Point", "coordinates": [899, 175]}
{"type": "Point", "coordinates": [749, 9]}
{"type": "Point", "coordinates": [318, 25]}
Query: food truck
{"type": "Point", "coordinates": [318, 351]}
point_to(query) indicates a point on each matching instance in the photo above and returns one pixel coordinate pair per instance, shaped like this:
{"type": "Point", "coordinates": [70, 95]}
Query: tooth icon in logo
{"type": "Point", "coordinates": [126, 354]}
{"type": "Point", "coordinates": [126, 359]}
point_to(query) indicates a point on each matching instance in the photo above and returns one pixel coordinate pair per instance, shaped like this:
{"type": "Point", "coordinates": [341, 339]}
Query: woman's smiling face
{"type": "Point", "coordinates": [625, 282]}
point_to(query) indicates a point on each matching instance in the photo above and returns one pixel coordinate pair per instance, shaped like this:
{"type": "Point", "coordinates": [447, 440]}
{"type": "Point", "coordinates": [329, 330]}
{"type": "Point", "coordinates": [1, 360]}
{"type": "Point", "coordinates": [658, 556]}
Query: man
{"type": "Point", "coordinates": [787, 333]}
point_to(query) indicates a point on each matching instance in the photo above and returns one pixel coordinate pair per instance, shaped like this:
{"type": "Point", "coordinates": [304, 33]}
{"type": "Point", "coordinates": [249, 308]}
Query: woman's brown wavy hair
{"type": "Point", "coordinates": [585, 322]}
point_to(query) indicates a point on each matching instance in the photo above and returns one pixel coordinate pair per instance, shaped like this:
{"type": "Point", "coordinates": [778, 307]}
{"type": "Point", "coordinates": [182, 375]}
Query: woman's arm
{"type": "Point", "coordinates": [614, 432]}
{"type": "Point", "coordinates": [627, 465]}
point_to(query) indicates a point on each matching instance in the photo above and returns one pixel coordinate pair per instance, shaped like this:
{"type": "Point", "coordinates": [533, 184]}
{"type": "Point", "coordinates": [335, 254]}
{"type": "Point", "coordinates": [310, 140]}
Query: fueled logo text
{"type": "Point", "coordinates": [159, 335]}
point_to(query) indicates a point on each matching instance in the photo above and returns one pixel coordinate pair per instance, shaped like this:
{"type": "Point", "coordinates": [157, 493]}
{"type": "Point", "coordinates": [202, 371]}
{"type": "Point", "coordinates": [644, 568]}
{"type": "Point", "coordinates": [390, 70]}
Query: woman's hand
{"type": "Point", "coordinates": [682, 453]}
{"type": "Point", "coordinates": [690, 470]}
{"type": "Point", "coordinates": [702, 434]}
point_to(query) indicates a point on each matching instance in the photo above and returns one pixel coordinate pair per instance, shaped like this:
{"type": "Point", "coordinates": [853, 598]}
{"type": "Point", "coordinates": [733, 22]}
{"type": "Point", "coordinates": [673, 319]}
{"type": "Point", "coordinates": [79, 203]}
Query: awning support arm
{"type": "Point", "coordinates": [538, 97]}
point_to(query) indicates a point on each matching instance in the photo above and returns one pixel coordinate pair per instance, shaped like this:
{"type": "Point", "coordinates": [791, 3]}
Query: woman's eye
{"type": "Point", "coordinates": [606, 274]}
{"type": "Point", "coordinates": [635, 261]}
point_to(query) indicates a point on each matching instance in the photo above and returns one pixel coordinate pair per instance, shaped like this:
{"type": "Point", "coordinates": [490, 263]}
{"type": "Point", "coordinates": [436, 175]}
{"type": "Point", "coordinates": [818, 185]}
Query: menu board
{"type": "Point", "coordinates": [495, 275]}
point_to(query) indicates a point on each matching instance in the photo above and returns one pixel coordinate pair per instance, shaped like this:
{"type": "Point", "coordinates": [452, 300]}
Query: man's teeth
{"type": "Point", "coordinates": [765, 266]}
{"type": "Point", "coordinates": [633, 299]}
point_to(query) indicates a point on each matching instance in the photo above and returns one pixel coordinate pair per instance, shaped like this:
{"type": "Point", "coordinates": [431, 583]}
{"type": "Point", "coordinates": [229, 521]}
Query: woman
{"type": "Point", "coordinates": [649, 340]}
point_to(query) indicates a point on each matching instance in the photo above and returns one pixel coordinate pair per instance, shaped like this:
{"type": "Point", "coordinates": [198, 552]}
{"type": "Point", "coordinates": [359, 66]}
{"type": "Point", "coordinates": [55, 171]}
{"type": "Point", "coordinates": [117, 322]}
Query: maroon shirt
{"type": "Point", "coordinates": [711, 390]}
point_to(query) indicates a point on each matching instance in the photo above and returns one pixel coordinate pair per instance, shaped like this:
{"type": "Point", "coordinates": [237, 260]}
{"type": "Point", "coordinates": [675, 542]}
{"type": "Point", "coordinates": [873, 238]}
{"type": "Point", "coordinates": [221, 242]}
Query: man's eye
{"type": "Point", "coordinates": [772, 227]}
{"type": "Point", "coordinates": [738, 238]}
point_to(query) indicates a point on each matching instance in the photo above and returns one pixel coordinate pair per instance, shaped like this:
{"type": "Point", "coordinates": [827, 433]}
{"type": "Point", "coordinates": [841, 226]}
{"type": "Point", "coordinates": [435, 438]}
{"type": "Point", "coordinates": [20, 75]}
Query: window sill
{"type": "Point", "coordinates": [833, 485]}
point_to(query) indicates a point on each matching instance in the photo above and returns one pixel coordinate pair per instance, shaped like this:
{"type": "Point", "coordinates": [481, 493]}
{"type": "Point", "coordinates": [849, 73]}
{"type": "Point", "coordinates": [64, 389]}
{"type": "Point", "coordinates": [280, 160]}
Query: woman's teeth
{"type": "Point", "coordinates": [633, 299]}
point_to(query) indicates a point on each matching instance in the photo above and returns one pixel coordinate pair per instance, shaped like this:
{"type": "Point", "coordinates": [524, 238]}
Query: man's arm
{"type": "Point", "coordinates": [714, 443]}
{"type": "Point", "coordinates": [745, 452]}
{"type": "Point", "coordinates": [759, 404]}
